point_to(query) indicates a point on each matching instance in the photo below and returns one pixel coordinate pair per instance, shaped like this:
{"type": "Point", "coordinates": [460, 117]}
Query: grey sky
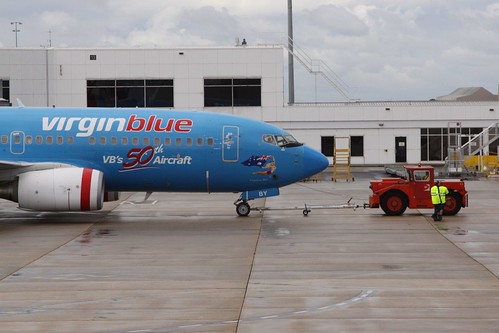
{"type": "Point", "coordinates": [384, 49]}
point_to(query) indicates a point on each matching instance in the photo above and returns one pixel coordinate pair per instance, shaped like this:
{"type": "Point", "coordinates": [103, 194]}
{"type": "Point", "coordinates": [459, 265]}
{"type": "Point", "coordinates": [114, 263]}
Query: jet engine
{"type": "Point", "coordinates": [58, 189]}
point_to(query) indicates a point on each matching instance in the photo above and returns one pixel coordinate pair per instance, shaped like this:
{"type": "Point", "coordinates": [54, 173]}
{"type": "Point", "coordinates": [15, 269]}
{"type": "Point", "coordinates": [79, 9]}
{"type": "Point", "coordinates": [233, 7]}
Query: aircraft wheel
{"type": "Point", "coordinates": [243, 209]}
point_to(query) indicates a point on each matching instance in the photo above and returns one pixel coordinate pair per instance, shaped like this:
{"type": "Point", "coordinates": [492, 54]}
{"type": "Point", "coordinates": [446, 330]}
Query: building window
{"type": "Point", "coordinates": [435, 141]}
{"type": "Point", "coordinates": [327, 145]}
{"type": "Point", "coordinates": [130, 93]}
{"type": "Point", "coordinates": [433, 144]}
{"type": "Point", "coordinates": [356, 146]}
{"type": "Point", "coordinates": [232, 92]}
{"type": "Point", "coordinates": [101, 93]}
{"type": "Point", "coordinates": [159, 93]}
{"type": "Point", "coordinates": [5, 89]}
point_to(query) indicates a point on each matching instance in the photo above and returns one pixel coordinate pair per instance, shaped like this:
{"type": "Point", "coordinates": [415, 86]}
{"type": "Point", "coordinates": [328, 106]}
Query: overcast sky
{"type": "Point", "coordinates": [383, 49]}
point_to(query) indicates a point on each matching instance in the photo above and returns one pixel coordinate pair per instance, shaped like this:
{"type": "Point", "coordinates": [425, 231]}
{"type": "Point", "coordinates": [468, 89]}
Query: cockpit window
{"type": "Point", "coordinates": [267, 138]}
{"type": "Point", "coordinates": [286, 140]}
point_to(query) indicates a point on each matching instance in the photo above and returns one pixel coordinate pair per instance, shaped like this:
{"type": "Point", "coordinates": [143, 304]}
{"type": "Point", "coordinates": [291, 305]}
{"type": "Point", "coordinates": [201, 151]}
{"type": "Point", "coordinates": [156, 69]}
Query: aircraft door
{"type": "Point", "coordinates": [230, 139]}
{"type": "Point", "coordinates": [17, 142]}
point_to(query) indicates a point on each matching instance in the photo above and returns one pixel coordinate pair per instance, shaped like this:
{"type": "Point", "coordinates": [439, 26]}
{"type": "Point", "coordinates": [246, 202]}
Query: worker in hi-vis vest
{"type": "Point", "coordinates": [438, 193]}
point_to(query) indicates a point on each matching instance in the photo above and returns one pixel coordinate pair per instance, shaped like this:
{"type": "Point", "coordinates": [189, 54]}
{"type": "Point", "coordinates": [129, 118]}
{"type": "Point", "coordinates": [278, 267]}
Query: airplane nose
{"type": "Point", "coordinates": [313, 162]}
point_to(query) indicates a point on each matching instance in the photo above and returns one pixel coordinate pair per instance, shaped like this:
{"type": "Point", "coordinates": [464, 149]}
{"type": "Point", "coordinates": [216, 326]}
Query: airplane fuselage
{"type": "Point", "coordinates": [155, 150]}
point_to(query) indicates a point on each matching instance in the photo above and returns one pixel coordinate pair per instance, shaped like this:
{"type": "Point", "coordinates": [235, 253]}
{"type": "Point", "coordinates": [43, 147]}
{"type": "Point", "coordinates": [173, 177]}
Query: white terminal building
{"type": "Point", "coordinates": [249, 81]}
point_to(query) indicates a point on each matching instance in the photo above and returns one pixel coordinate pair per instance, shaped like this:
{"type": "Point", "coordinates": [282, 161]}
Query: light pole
{"type": "Point", "coordinates": [15, 29]}
{"type": "Point", "coordinates": [291, 71]}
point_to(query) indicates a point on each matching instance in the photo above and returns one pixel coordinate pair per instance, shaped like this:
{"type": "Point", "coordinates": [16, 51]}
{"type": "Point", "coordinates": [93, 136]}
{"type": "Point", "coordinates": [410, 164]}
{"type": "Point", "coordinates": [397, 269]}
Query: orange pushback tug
{"type": "Point", "coordinates": [394, 195]}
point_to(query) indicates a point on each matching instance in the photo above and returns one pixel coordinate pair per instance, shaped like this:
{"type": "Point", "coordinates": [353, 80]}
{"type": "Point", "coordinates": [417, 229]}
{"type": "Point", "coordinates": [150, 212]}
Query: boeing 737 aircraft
{"type": "Point", "coordinates": [74, 159]}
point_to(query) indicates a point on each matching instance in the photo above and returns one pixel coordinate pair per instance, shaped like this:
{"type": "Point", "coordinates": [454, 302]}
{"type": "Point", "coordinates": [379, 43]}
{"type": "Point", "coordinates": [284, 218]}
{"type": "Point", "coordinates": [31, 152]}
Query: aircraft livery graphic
{"type": "Point", "coordinates": [86, 126]}
{"type": "Point", "coordinates": [265, 162]}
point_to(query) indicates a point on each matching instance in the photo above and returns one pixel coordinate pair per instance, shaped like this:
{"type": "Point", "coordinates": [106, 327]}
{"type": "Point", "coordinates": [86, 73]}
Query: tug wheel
{"type": "Point", "coordinates": [452, 204]}
{"type": "Point", "coordinates": [393, 203]}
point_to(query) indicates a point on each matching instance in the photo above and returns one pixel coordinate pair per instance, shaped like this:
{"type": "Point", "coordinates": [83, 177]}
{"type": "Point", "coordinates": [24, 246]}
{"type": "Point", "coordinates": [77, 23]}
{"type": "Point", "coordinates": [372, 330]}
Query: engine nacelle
{"type": "Point", "coordinates": [61, 189]}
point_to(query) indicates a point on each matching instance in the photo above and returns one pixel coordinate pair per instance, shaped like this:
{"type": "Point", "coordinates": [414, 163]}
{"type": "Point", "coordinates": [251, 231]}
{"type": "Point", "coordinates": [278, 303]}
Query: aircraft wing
{"type": "Point", "coordinates": [4, 165]}
{"type": "Point", "coordinates": [10, 169]}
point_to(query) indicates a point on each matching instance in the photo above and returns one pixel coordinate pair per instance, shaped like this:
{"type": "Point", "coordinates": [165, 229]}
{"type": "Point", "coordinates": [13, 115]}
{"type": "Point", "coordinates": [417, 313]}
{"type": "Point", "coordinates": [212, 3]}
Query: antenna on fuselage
{"type": "Point", "coordinates": [19, 103]}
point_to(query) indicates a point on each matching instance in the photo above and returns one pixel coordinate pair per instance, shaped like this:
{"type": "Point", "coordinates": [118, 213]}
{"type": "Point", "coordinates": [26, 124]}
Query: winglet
{"type": "Point", "coordinates": [19, 103]}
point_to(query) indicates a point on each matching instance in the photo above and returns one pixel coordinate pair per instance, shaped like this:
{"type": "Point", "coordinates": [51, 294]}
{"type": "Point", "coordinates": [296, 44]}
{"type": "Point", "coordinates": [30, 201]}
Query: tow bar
{"type": "Point", "coordinates": [306, 209]}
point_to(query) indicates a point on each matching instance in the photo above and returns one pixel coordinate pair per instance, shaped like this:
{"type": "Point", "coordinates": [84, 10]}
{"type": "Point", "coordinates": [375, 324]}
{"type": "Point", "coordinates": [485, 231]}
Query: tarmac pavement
{"type": "Point", "coordinates": [183, 262]}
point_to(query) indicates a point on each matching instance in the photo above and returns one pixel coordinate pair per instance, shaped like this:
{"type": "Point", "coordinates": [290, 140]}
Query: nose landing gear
{"type": "Point", "coordinates": [243, 208]}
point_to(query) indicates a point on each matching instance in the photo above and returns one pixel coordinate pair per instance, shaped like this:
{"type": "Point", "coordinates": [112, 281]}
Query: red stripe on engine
{"type": "Point", "coordinates": [86, 184]}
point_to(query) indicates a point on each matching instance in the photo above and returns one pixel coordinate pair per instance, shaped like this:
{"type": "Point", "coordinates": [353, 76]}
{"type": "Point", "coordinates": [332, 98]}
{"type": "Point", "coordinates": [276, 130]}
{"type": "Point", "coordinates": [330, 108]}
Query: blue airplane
{"type": "Point", "coordinates": [74, 159]}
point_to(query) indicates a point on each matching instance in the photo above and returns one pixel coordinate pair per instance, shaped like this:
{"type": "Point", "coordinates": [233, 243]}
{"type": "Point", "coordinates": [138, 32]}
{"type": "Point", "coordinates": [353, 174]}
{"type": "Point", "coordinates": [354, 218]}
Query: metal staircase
{"type": "Point", "coordinates": [317, 66]}
{"type": "Point", "coordinates": [481, 145]}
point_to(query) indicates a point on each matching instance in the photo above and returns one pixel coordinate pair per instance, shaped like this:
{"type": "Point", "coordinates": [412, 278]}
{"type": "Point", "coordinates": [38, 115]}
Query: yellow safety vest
{"type": "Point", "coordinates": [438, 194]}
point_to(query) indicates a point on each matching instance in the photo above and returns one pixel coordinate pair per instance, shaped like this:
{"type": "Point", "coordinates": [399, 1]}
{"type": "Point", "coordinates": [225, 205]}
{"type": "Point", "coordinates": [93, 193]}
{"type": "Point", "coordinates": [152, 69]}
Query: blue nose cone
{"type": "Point", "coordinates": [313, 162]}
